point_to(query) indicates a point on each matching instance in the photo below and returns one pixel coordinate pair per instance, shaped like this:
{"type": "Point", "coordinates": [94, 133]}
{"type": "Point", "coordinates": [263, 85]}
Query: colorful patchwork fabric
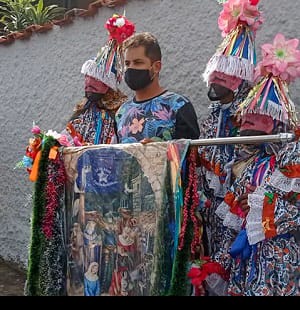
{"type": "Point", "coordinates": [216, 160]}
{"type": "Point", "coordinates": [272, 269]}
{"type": "Point", "coordinates": [220, 123]}
{"type": "Point", "coordinates": [93, 126]}
{"type": "Point", "coordinates": [268, 263]}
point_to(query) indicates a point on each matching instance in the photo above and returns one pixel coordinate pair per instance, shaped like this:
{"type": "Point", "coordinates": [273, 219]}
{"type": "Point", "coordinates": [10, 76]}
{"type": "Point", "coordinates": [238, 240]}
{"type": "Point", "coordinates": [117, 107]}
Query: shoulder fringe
{"type": "Point", "coordinates": [230, 65]}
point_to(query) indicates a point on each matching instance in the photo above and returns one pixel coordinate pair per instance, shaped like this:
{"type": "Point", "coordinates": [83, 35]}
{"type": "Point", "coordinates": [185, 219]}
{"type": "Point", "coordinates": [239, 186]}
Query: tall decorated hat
{"type": "Point", "coordinates": [107, 66]}
{"type": "Point", "coordinates": [280, 65]}
{"type": "Point", "coordinates": [235, 58]}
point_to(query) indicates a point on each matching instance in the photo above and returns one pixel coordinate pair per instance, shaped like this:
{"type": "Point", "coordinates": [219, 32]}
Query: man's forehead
{"type": "Point", "coordinates": [135, 53]}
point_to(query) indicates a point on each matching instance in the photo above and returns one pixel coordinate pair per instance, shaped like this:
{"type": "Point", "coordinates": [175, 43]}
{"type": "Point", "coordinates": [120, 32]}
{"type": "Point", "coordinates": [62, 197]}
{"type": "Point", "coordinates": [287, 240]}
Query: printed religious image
{"type": "Point", "coordinates": [111, 226]}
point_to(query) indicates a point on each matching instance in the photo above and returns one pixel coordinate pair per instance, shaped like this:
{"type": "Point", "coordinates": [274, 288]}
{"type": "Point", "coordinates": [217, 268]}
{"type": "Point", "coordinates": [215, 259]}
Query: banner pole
{"type": "Point", "coordinates": [281, 137]}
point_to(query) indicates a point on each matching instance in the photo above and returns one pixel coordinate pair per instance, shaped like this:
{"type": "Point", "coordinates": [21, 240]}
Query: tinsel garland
{"type": "Point", "coordinates": [37, 237]}
{"type": "Point", "coordinates": [38, 240]}
{"type": "Point", "coordinates": [189, 238]}
{"type": "Point", "coordinates": [53, 268]}
{"type": "Point", "coordinates": [191, 202]}
{"type": "Point", "coordinates": [53, 258]}
{"type": "Point", "coordinates": [54, 190]}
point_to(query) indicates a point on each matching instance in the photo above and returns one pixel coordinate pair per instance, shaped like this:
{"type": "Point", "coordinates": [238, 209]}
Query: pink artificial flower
{"type": "Point", "coordinates": [36, 130]}
{"type": "Point", "coordinates": [236, 12]}
{"type": "Point", "coordinates": [63, 140]}
{"type": "Point", "coordinates": [76, 141]}
{"type": "Point", "coordinates": [281, 58]}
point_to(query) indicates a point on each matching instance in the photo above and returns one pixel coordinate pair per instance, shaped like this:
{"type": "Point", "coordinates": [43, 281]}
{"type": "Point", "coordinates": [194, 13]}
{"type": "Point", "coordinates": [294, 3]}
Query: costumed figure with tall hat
{"type": "Point", "coordinates": [229, 75]}
{"type": "Point", "coordinates": [93, 120]}
{"type": "Point", "coordinates": [262, 206]}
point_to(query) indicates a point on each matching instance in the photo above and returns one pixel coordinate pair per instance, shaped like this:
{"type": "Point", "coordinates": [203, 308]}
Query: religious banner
{"type": "Point", "coordinates": [121, 218]}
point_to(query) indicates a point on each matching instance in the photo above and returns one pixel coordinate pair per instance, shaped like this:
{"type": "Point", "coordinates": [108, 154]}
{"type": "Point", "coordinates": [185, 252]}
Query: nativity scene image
{"type": "Point", "coordinates": [111, 218]}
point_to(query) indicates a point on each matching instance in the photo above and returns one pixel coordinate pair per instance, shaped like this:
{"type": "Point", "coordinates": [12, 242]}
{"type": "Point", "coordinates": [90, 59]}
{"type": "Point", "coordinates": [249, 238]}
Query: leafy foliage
{"type": "Point", "coordinates": [13, 14]}
{"type": "Point", "coordinates": [40, 14]}
{"type": "Point", "coordinates": [16, 15]}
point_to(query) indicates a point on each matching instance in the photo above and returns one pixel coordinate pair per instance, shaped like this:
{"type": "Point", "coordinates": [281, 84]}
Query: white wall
{"type": "Point", "coordinates": [40, 80]}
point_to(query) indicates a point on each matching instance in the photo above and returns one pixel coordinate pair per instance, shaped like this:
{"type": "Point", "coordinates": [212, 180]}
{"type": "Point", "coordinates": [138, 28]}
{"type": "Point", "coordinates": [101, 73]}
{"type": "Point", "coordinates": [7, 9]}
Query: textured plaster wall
{"type": "Point", "coordinates": [40, 80]}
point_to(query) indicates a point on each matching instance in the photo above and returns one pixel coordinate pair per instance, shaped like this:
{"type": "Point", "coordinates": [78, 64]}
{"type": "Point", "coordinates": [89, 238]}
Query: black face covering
{"type": "Point", "coordinates": [137, 79]}
{"type": "Point", "coordinates": [93, 96]}
{"type": "Point", "coordinates": [217, 92]}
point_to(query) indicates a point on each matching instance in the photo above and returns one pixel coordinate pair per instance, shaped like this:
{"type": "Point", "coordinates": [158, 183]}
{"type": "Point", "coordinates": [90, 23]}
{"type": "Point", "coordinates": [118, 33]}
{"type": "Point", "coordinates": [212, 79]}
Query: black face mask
{"type": "Point", "coordinates": [93, 96]}
{"type": "Point", "coordinates": [217, 92]}
{"type": "Point", "coordinates": [137, 79]}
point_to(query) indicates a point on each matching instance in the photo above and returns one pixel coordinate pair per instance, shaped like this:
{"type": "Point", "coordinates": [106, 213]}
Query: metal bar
{"type": "Point", "coordinates": [281, 137]}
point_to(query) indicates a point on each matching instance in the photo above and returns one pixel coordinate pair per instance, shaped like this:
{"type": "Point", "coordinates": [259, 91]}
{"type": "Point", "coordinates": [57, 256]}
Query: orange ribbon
{"type": "Point", "coordinates": [33, 176]}
{"type": "Point", "coordinates": [35, 167]}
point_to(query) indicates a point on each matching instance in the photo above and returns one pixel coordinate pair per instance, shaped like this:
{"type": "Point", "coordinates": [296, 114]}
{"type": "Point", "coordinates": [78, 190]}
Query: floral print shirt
{"type": "Point", "coordinates": [165, 117]}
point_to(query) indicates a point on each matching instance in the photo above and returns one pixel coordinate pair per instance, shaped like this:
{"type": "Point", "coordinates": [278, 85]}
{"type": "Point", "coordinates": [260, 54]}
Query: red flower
{"type": "Point", "coordinates": [199, 273]}
{"type": "Point", "coordinates": [119, 28]}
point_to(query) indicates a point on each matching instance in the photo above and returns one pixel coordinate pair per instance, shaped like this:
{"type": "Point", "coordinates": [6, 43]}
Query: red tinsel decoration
{"type": "Point", "coordinates": [191, 191]}
{"type": "Point", "coordinates": [54, 190]}
{"type": "Point", "coordinates": [185, 215]}
{"type": "Point", "coordinates": [195, 200]}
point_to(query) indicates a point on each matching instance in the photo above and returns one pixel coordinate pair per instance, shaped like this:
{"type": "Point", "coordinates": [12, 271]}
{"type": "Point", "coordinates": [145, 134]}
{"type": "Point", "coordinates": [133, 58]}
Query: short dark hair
{"type": "Point", "coordinates": [146, 39]}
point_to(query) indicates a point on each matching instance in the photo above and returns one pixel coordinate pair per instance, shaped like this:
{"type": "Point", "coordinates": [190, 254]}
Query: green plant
{"type": "Point", "coordinates": [16, 15]}
{"type": "Point", "coordinates": [40, 14]}
{"type": "Point", "coordinates": [13, 14]}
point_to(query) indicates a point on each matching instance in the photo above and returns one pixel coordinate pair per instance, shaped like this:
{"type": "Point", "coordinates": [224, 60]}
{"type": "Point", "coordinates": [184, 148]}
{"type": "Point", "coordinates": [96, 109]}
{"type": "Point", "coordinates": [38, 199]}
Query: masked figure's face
{"type": "Point", "coordinates": [256, 124]}
{"type": "Point", "coordinates": [218, 92]}
{"type": "Point", "coordinates": [94, 89]}
{"type": "Point", "coordinates": [222, 87]}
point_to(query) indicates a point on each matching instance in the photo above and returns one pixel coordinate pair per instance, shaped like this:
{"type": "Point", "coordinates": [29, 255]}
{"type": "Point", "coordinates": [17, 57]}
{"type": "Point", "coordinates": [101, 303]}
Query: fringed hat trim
{"type": "Point", "coordinates": [235, 56]}
{"type": "Point", "coordinates": [270, 97]}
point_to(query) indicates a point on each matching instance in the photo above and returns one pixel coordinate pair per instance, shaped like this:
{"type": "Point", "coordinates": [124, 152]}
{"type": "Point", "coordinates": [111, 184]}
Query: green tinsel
{"type": "Point", "coordinates": [53, 261]}
{"type": "Point", "coordinates": [179, 284]}
{"type": "Point", "coordinates": [37, 242]}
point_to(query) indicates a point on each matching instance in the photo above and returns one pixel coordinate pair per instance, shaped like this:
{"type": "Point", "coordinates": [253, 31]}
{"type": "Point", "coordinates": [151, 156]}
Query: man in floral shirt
{"type": "Point", "coordinates": [154, 113]}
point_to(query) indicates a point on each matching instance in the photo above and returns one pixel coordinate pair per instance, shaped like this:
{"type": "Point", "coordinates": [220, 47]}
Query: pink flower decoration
{"type": "Point", "coordinates": [36, 130]}
{"type": "Point", "coordinates": [76, 141]}
{"type": "Point", "coordinates": [239, 12]}
{"type": "Point", "coordinates": [281, 59]}
{"type": "Point", "coordinates": [63, 140]}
